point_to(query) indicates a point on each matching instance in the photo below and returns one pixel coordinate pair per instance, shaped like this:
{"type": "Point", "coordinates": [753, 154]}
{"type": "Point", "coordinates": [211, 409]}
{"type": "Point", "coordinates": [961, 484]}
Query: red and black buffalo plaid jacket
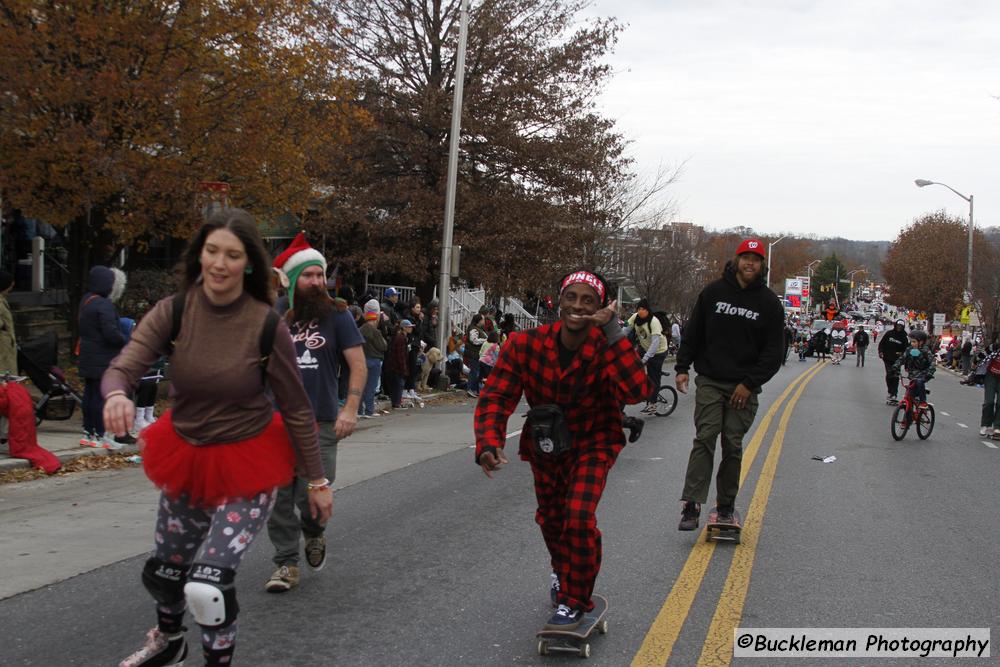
{"type": "Point", "coordinates": [600, 379]}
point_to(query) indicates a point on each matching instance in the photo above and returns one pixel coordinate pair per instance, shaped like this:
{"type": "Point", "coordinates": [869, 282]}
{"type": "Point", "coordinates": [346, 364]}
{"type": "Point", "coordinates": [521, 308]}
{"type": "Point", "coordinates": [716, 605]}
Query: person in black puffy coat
{"type": "Point", "coordinates": [101, 339]}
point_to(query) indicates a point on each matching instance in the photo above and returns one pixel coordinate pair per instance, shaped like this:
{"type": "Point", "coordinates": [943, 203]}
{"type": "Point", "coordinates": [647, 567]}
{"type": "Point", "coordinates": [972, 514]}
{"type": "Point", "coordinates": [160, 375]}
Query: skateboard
{"type": "Point", "coordinates": [575, 640]}
{"type": "Point", "coordinates": [725, 532]}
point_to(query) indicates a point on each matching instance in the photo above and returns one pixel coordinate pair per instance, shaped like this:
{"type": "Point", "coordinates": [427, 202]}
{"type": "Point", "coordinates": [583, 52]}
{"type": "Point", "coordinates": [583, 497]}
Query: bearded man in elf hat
{"type": "Point", "coordinates": [584, 364]}
{"type": "Point", "coordinates": [734, 338]}
{"type": "Point", "coordinates": [323, 331]}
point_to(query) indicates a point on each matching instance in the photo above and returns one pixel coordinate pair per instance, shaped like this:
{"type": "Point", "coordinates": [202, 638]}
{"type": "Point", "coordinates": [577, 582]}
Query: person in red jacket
{"type": "Point", "coordinates": [575, 375]}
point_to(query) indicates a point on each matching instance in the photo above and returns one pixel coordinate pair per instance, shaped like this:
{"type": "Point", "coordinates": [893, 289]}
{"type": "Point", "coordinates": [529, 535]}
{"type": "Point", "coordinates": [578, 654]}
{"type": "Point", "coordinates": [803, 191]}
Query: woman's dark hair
{"type": "Point", "coordinates": [493, 337]}
{"type": "Point", "coordinates": [476, 319]}
{"type": "Point", "coordinates": [258, 282]}
{"type": "Point", "coordinates": [6, 280]}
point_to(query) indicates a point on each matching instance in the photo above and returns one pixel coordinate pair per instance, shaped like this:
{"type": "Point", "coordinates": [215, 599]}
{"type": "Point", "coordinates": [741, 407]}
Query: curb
{"type": "Point", "coordinates": [66, 455]}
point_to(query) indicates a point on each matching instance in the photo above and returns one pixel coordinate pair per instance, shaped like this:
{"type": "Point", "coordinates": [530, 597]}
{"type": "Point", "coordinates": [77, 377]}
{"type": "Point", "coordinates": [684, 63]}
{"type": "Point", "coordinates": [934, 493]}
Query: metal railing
{"type": "Point", "coordinates": [406, 293]}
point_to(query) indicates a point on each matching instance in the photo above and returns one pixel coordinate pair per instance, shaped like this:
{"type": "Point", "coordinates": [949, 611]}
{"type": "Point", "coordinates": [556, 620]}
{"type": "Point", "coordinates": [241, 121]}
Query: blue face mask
{"type": "Point", "coordinates": [914, 352]}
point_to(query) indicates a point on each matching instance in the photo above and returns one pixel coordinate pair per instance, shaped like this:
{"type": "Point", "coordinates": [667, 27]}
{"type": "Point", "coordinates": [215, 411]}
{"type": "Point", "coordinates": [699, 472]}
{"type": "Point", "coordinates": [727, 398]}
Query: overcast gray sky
{"type": "Point", "coordinates": [813, 116]}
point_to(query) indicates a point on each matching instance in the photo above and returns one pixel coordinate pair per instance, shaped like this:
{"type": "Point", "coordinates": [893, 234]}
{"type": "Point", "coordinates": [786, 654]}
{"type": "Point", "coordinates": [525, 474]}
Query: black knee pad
{"type": "Point", "coordinates": [164, 581]}
{"type": "Point", "coordinates": [211, 595]}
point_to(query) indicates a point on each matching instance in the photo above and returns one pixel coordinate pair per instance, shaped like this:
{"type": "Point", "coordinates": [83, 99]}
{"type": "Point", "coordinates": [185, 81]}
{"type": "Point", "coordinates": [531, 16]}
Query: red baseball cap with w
{"type": "Point", "coordinates": [752, 245]}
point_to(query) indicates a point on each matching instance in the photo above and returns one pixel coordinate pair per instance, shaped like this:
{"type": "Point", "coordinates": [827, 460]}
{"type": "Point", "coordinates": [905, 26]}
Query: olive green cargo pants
{"type": "Point", "coordinates": [714, 416]}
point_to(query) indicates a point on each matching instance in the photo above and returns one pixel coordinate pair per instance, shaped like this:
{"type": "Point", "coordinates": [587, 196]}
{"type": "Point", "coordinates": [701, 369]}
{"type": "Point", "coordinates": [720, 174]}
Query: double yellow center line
{"type": "Point", "coordinates": [666, 627]}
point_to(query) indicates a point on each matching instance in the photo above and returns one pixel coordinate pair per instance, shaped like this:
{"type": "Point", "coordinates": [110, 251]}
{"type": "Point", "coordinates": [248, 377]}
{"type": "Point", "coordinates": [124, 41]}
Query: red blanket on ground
{"type": "Point", "coordinates": [17, 407]}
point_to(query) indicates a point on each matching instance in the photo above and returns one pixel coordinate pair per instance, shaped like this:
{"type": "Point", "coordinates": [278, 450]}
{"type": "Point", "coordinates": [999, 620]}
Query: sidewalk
{"type": "Point", "coordinates": [59, 526]}
{"type": "Point", "coordinates": [62, 438]}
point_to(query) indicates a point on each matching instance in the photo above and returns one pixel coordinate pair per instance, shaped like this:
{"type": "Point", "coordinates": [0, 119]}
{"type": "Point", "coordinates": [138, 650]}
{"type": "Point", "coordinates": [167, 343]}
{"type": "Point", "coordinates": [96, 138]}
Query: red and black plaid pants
{"type": "Point", "coordinates": [568, 490]}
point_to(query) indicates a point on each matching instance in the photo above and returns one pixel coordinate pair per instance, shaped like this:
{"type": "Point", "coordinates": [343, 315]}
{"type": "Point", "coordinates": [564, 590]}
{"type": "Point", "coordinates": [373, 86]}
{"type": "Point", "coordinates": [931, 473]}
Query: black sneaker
{"type": "Point", "coordinates": [565, 619]}
{"type": "Point", "coordinates": [126, 439]}
{"type": "Point", "coordinates": [160, 650]}
{"type": "Point", "coordinates": [725, 515]}
{"type": "Point", "coordinates": [689, 516]}
{"type": "Point", "coordinates": [634, 426]}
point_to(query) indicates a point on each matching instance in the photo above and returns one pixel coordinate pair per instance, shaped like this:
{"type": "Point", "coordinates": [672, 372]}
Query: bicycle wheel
{"type": "Point", "coordinates": [666, 400]}
{"type": "Point", "coordinates": [925, 422]}
{"type": "Point", "coordinates": [900, 422]}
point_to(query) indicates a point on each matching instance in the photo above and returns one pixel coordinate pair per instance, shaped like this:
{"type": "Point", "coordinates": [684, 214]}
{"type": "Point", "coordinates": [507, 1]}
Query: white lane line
{"type": "Point", "coordinates": [945, 413]}
{"type": "Point", "coordinates": [961, 425]}
{"type": "Point", "coordinates": [988, 444]}
{"type": "Point", "coordinates": [517, 432]}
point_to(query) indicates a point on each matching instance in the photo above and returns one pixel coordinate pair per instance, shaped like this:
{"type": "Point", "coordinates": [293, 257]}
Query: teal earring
{"type": "Point", "coordinates": [248, 270]}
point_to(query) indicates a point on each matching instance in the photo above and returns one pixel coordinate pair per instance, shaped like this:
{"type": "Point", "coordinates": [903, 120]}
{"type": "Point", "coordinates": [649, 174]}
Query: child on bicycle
{"type": "Point", "coordinates": [919, 364]}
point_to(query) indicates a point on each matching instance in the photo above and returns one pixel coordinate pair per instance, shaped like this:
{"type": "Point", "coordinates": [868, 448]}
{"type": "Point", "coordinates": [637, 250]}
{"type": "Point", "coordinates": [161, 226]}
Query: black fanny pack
{"type": "Point", "coordinates": [549, 429]}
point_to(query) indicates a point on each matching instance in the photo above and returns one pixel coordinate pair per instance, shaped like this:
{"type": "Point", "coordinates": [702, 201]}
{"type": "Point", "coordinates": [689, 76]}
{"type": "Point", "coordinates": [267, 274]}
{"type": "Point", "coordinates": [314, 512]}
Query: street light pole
{"type": "Point", "coordinates": [444, 287]}
{"type": "Point", "coordinates": [809, 274]}
{"type": "Point", "coordinates": [968, 265]}
{"type": "Point", "coordinates": [769, 246]}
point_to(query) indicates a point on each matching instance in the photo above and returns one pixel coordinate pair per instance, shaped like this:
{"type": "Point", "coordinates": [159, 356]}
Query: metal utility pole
{"type": "Point", "coordinates": [444, 287]}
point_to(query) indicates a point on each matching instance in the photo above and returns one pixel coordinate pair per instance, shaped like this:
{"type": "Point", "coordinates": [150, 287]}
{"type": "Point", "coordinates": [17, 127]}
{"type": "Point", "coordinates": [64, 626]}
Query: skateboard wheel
{"type": "Point", "coordinates": [543, 647]}
{"type": "Point", "coordinates": [585, 651]}
{"type": "Point", "coordinates": [602, 627]}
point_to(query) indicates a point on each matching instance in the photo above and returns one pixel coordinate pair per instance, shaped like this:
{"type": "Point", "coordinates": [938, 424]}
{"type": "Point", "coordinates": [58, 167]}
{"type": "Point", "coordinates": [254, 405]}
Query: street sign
{"type": "Point", "coordinates": [793, 286]}
{"type": "Point", "coordinates": [938, 319]}
{"type": "Point", "coordinates": [938, 329]}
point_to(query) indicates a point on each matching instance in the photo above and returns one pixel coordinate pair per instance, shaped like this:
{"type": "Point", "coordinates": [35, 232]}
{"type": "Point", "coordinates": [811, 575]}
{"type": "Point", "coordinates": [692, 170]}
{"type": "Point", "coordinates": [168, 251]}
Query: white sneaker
{"type": "Point", "coordinates": [986, 430]}
{"type": "Point", "coordinates": [108, 442]}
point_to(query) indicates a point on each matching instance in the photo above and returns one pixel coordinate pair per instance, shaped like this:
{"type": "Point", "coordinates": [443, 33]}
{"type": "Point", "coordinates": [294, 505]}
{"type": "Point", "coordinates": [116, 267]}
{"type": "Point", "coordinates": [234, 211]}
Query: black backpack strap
{"type": "Point", "coordinates": [177, 314]}
{"type": "Point", "coordinates": [267, 340]}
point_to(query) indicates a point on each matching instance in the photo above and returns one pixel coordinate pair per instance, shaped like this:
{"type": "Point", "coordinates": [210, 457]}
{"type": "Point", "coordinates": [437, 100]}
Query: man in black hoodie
{"type": "Point", "coordinates": [893, 344]}
{"type": "Point", "coordinates": [734, 338]}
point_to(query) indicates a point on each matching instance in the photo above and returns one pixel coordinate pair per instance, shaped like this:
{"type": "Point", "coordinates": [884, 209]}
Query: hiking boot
{"type": "Point", "coordinates": [565, 619]}
{"type": "Point", "coordinates": [160, 650]}
{"type": "Point", "coordinates": [554, 588]}
{"type": "Point", "coordinates": [634, 426]}
{"type": "Point", "coordinates": [689, 516]}
{"type": "Point", "coordinates": [284, 579]}
{"type": "Point", "coordinates": [315, 553]}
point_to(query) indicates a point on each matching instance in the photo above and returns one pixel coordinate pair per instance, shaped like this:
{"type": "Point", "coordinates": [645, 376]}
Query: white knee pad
{"type": "Point", "coordinates": [211, 596]}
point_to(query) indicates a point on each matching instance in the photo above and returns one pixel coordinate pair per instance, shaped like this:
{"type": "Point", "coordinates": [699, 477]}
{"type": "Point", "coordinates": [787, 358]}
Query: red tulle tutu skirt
{"type": "Point", "coordinates": [210, 474]}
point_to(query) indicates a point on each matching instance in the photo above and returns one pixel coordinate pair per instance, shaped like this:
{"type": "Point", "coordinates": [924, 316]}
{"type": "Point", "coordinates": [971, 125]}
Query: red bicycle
{"type": "Point", "coordinates": [908, 412]}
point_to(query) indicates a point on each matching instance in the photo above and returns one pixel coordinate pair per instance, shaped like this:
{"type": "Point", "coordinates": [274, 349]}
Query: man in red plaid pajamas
{"type": "Point", "coordinates": [586, 365]}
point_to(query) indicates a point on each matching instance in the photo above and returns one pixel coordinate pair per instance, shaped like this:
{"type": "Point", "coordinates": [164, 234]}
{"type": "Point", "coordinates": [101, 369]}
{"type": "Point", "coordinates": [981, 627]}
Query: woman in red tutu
{"type": "Point", "coordinates": [221, 450]}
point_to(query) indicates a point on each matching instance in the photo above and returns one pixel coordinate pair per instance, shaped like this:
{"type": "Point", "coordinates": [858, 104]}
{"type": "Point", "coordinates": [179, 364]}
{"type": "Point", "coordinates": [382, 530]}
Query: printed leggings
{"type": "Point", "coordinates": [568, 490]}
{"type": "Point", "coordinates": [216, 536]}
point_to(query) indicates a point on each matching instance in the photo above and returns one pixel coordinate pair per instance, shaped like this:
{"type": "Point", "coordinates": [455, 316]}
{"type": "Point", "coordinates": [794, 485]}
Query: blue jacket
{"type": "Point", "coordinates": [101, 337]}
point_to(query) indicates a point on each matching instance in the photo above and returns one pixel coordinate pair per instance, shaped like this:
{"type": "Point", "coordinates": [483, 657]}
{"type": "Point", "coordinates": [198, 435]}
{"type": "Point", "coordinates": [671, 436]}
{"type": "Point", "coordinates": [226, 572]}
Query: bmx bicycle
{"type": "Point", "coordinates": [666, 397]}
{"type": "Point", "coordinates": [909, 412]}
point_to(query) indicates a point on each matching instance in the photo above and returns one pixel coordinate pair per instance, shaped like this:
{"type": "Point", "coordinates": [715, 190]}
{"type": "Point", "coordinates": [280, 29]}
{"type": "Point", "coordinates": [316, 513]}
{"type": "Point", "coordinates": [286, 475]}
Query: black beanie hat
{"type": "Point", "coordinates": [643, 303]}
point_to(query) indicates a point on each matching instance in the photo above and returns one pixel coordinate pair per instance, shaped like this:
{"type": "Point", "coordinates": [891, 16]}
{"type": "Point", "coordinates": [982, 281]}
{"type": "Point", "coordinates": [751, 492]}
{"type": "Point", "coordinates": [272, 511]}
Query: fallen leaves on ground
{"type": "Point", "coordinates": [85, 463]}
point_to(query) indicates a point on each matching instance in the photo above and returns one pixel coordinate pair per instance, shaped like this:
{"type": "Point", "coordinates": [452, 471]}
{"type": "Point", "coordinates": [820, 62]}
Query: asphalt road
{"type": "Point", "coordinates": [433, 564]}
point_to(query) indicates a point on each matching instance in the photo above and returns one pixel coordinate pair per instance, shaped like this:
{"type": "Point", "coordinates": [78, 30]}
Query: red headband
{"type": "Point", "coordinates": [586, 278]}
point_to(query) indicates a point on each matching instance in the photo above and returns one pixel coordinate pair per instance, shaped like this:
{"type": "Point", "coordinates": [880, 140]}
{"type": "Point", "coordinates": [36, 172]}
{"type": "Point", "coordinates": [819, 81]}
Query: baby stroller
{"type": "Point", "coordinates": [38, 358]}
